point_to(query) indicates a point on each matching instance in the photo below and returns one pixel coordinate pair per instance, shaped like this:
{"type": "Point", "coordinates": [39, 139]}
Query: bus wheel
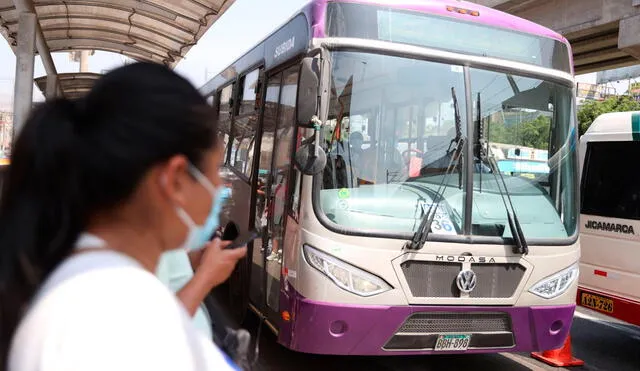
{"type": "Point", "coordinates": [239, 292]}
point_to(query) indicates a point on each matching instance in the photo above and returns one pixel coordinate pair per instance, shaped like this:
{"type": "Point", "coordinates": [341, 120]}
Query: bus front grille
{"type": "Point", "coordinates": [430, 279]}
{"type": "Point", "coordinates": [438, 322]}
{"type": "Point", "coordinates": [420, 330]}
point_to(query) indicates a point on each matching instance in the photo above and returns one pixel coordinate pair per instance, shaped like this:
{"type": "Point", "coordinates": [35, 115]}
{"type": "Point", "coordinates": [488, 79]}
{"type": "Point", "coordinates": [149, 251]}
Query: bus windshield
{"type": "Point", "coordinates": [389, 137]}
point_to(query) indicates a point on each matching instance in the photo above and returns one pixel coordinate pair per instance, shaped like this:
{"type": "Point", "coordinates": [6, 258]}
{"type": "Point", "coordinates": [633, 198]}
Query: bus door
{"type": "Point", "coordinates": [263, 183]}
{"type": "Point", "coordinates": [246, 105]}
{"type": "Point", "coordinates": [271, 219]}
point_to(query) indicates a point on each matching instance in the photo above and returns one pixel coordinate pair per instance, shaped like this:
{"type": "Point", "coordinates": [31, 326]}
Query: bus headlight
{"type": "Point", "coordinates": [345, 275]}
{"type": "Point", "coordinates": [555, 285]}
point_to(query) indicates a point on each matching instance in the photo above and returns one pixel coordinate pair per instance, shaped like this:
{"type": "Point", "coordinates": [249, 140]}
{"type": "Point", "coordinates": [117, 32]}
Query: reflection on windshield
{"type": "Point", "coordinates": [379, 102]}
{"type": "Point", "coordinates": [388, 140]}
{"type": "Point", "coordinates": [391, 122]}
{"type": "Point", "coordinates": [527, 128]}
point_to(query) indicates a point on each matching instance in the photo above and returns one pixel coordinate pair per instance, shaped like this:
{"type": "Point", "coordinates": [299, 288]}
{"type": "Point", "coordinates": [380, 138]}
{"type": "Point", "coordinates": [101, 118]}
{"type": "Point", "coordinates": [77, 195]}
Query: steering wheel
{"type": "Point", "coordinates": [412, 171]}
{"type": "Point", "coordinates": [405, 153]}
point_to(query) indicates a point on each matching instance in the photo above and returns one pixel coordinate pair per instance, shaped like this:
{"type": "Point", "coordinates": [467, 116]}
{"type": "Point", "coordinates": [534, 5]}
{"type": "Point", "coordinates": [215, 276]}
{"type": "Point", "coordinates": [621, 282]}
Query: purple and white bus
{"type": "Point", "coordinates": [358, 142]}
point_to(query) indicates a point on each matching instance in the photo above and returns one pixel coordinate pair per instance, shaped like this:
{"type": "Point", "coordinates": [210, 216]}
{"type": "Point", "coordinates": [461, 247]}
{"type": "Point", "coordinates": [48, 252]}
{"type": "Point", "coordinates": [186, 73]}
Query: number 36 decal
{"type": "Point", "coordinates": [443, 226]}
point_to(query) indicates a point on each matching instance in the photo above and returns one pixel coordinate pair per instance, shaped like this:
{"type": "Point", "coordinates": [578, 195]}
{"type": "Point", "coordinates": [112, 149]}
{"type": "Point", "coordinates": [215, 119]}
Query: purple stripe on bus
{"type": "Point", "coordinates": [488, 16]}
{"type": "Point", "coordinates": [369, 327]}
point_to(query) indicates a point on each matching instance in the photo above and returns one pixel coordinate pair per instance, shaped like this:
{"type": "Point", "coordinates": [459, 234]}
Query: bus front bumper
{"type": "Point", "coordinates": [329, 328]}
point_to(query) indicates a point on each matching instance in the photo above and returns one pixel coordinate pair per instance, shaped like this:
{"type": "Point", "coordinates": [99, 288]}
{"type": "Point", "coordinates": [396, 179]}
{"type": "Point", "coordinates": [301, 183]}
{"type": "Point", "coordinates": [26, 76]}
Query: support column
{"type": "Point", "coordinates": [629, 36]}
{"type": "Point", "coordinates": [84, 60]}
{"type": "Point", "coordinates": [25, 52]}
{"type": "Point", "coordinates": [52, 87]}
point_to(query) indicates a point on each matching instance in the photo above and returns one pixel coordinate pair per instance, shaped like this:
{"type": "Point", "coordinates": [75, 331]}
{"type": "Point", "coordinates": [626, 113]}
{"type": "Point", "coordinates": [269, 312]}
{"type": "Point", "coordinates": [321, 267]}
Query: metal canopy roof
{"type": "Point", "coordinates": [73, 85]}
{"type": "Point", "coordinates": [151, 30]}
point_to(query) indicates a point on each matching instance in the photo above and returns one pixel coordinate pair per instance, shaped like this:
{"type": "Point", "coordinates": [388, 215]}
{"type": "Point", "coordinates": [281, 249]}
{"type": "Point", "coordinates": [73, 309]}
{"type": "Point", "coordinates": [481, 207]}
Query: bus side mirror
{"type": "Point", "coordinates": [308, 85]}
{"type": "Point", "coordinates": [310, 159]}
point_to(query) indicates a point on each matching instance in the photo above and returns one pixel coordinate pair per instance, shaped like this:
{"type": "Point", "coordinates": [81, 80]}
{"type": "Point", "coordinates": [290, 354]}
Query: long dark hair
{"type": "Point", "coordinates": [73, 158]}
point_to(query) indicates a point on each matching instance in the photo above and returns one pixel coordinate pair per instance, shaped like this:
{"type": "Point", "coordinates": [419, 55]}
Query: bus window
{"type": "Point", "coordinates": [266, 150]}
{"type": "Point", "coordinates": [610, 185]}
{"type": "Point", "coordinates": [246, 123]}
{"type": "Point", "coordinates": [282, 152]}
{"type": "Point", "coordinates": [224, 114]}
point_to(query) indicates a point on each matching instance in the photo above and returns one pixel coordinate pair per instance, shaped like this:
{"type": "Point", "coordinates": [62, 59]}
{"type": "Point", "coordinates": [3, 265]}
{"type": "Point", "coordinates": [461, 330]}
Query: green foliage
{"type": "Point", "coordinates": [533, 133]}
{"type": "Point", "coordinates": [592, 109]}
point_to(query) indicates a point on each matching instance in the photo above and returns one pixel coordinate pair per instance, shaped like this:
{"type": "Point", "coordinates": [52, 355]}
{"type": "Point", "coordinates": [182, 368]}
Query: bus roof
{"type": "Point", "coordinates": [488, 16]}
{"type": "Point", "coordinates": [313, 14]}
{"type": "Point", "coordinates": [616, 124]}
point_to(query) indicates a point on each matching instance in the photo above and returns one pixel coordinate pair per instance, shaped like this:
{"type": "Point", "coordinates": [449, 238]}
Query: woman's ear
{"type": "Point", "coordinates": [175, 181]}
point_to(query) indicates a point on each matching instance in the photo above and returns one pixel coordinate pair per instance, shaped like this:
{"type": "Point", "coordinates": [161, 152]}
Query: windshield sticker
{"type": "Point", "coordinates": [442, 224]}
{"type": "Point", "coordinates": [343, 193]}
{"type": "Point", "coordinates": [343, 204]}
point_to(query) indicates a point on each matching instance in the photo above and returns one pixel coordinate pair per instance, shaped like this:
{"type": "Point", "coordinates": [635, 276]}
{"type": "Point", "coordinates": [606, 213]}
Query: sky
{"type": "Point", "coordinates": [242, 26]}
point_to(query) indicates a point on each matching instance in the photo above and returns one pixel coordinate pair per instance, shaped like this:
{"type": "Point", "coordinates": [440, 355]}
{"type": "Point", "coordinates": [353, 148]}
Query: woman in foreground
{"type": "Point", "coordinates": [97, 190]}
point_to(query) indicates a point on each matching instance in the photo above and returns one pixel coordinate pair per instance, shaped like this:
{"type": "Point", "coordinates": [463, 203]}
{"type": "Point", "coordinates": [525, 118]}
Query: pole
{"type": "Point", "coordinates": [26, 6]}
{"type": "Point", "coordinates": [25, 52]}
{"type": "Point", "coordinates": [84, 61]}
{"type": "Point", "coordinates": [52, 87]}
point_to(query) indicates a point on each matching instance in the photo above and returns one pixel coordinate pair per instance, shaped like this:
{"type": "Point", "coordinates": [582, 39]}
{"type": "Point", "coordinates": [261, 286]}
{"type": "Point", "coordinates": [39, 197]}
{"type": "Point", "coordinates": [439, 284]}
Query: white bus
{"type": "Point", "coordinates": [610, 226]}
{"type": "Point", "coordinates": [396, 232]}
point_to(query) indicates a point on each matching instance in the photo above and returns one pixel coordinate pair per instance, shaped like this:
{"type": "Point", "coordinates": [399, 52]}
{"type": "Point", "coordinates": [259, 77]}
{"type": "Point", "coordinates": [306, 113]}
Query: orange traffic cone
{"type": "Point", "coordinates": [559, 357]}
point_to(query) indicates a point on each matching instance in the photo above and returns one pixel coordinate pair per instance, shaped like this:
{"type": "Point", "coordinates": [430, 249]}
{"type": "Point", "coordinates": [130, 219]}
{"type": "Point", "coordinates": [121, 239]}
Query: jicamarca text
{"type": "Point", "coordinates": [610, 227]}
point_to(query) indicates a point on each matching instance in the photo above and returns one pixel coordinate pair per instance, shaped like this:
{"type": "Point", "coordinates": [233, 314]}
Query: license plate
{"type": "Point", "coordinates": [452, 342]}
{"type": "Point", "coordinates": [596, 302]}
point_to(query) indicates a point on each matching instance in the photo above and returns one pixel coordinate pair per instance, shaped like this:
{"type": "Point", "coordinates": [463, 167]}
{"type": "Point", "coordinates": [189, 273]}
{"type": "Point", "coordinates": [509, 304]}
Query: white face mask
{"type": "Point", "coordinates": [199, 235]}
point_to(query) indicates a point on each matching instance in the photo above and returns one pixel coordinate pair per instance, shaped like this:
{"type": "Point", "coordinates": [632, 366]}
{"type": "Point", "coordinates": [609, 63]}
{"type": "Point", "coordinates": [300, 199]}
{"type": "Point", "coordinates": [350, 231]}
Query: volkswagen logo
{"type": "Point", "coordinates": [466, 281]}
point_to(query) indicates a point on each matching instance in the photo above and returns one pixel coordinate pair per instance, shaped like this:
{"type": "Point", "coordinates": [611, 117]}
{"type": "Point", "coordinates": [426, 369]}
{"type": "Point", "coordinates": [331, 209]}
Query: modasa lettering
{"type": "Point", "coordinates": [610, 227]}
{"type": "Point", "coordinates": [284, 47]}
{"type": "Point", "coordinates": [463, 259]}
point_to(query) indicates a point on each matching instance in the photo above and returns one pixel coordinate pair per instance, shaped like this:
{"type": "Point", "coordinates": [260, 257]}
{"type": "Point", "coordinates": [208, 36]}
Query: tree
{"type": "Point", "coordinates": [592, 109]}
{"type": "Point", "coordinates": [532, 133]}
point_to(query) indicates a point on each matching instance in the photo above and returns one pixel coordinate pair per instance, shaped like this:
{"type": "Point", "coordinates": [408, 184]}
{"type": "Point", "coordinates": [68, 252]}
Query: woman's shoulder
{"type": "Point", "coordinates": [102, 284]}
{"type": "Point", "coordinates": [93, 272]}
{"type": "Point", "coordinates": [102, 302]}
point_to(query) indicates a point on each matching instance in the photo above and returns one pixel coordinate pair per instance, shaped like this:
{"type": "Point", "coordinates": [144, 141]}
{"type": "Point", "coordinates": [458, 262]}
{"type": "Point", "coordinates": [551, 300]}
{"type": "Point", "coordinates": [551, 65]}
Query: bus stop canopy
{"type": "Point", "coordinates": [73, 85]}
{"type": "Point", "coordinates": [160, 31]}
{"type": "Point", "coordinates": [148, 30]}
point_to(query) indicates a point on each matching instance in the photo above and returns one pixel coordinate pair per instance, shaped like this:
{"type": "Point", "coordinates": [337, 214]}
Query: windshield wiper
{"type": "Point", "coordinates": [455, 151]}
{"type": "Point", "coordinates": [483, 156]}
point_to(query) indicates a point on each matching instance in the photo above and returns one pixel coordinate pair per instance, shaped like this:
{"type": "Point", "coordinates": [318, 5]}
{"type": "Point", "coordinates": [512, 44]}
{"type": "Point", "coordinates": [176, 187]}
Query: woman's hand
{"type": "Point", "coordinates": [216, 264]}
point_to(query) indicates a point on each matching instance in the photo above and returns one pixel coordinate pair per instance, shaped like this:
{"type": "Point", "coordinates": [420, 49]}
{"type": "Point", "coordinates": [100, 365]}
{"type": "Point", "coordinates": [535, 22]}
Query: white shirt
{"type": "Point", "coordinates": [100, 310]}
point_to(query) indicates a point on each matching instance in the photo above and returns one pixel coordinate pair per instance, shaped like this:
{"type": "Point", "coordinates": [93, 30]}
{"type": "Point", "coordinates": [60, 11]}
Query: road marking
{"type": "Point", "coordinates": [531, 363]}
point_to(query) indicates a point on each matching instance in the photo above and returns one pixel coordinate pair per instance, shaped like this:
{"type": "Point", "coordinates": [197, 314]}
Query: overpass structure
{"type": "Point", "coordinates": [160, 31]}
{"type": "Point", "coordinates": [604, 34]}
